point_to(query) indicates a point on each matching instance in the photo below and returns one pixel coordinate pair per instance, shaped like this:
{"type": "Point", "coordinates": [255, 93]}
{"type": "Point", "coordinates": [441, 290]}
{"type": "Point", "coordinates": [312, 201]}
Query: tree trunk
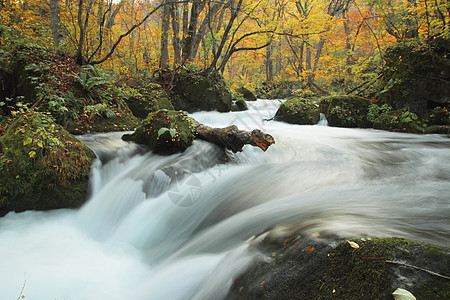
{"type": "Point", "coordinates": [55, 22]}
{"type": "Point", "coordinates": [232, 138]}
{"type": "Point", "coordinates": [165, 22]}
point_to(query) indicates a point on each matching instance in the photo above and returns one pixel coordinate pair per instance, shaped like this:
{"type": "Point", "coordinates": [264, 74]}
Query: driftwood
{"type": "Point", "coordinates": [232, 138]}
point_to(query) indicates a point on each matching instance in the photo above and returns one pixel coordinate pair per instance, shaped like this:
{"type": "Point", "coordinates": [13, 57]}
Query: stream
{"type": "Point", "coordinates": [180, 226]}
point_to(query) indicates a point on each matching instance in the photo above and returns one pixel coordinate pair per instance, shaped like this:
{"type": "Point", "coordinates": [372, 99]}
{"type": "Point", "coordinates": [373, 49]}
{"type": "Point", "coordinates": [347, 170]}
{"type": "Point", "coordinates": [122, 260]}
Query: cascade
{"type": "Point", "coordinates": [180, 226]}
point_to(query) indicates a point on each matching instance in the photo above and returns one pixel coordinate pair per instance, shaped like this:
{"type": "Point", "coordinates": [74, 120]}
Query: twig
{"type": "Point", "coordinates": [417, 268]}
{"type": "Point", "coordinates": [21, 292]}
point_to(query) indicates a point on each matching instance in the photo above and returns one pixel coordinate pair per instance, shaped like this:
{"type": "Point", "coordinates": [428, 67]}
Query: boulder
{"type": "Point", "coordinates": [345, 111]}
{"type": "Point", "coordinates": [164, 132]}
{"type": "Point", "coordinates": [299, 266]}
{"type": "Point", "coordinates": [150, 97]}
{"type": "Point", "coordinates": [416, 77]}
{"type": "Point", "coordinates": [195, 91]}
{"type": "Point", "coordinates": [298, 111]}
{"type": "Point", "coordinates": [42, 166]}
{"type": "Point", "coordinates": [247, 94]}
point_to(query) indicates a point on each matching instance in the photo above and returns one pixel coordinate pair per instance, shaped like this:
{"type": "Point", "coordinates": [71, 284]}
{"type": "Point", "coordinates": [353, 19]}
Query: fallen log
{"type": "Point", "coordinates": [232, 138]}
{"type": "Point", "coordinates": [168, 132]}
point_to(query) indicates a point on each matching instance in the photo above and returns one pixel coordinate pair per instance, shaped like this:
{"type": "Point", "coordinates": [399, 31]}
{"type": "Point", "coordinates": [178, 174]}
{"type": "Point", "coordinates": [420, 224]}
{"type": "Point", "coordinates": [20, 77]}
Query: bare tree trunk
{"type": "Point", "coordinates": [175, 15]}
{"type": "Point", "coordinates": [269, 63]}
{"type": "Point", "coordinates": [55, 22]}
{"type": "Point", "coordinates": [165, 22]}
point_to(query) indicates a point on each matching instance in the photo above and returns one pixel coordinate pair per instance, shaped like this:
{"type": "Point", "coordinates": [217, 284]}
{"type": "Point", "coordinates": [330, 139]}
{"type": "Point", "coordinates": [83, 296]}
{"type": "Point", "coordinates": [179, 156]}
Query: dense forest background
{"type": "Point", "coordinates": [321, 42]}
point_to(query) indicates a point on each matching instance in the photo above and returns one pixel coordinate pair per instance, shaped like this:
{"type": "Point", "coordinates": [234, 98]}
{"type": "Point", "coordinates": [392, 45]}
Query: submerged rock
{"type": "Point", "coordinates": [164, 132]}
{"type": "Point", "coordinates": [42, 166]}
{"type": "Point", "coordinates": [302, 267]}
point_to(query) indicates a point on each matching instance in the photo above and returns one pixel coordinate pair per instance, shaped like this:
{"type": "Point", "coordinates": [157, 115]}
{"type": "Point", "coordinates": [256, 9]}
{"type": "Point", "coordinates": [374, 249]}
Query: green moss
{"type": "Point", "coordinates": [194, 91]}
{"type": "Point", "coordinates": [246, 93]}
{"type": "Point", "coordinates": [298, 111]}
{"type": "Point", "coordinates": [345, 111]}
{"type": "Point", "coordinates": [416, 76]}
{"type": "Point", "coordinates": [398, 120]}
{"type": "Point", "coordinates": [305, 268]}
{"type": "Point", "coordinates": [165, 132]}
{"type": "Point", "coordinates": [42, 165]}
{"type": "Point", "coordinates": [241, 104]}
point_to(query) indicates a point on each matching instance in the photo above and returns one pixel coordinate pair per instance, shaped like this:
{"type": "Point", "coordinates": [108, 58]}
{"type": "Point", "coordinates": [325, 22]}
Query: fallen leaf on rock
{"type": "Point", "coordinates": [310, 249]}
{"type": "Point", "coordinates": [316, 234]}
{"type": "Point", "coordinates": [401, 294]}
{"type": "Point", "coordinates": [353, 244]}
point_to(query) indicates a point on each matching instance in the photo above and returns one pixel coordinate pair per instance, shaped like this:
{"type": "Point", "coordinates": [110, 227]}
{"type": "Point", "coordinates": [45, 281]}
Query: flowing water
{"type": "Point", "coordinates": [178, 227]}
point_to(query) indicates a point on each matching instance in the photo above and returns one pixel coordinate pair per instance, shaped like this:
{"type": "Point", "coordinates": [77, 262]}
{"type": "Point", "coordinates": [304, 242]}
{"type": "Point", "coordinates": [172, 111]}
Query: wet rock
{"type": "Point", "coordinates": [42, 166]}
{"type": "Point", "coordinates": [164, 132]}
{"type": "Point", "coordinates": [300, 111]}
{"type": "Point", "coordinates": [345, 111]}
{"type": "Point", "coordinates": [247, 94]}
{"type": "Point", "coordinates": [304, 267]}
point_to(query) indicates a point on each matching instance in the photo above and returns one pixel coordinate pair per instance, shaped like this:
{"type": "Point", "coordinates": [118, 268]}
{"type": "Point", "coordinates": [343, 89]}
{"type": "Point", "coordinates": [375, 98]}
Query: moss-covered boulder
{"type": "Point", "coordinates": [146, 97]}
{"type": "Point", "coordinates": [302, 267]}
{"type": "Point", "coordinates": [164, 132]}
{"type": "Point", "coordinates": [246, 93]}
{"type": "Point", "coordinates": [345, 111]}
{"type": "Point", "coordinates": [239, 104]}
{"type": "Point", "coordinates": [42, 166]}
{"type": "Point", "coordinates": [416, 77]}
{"type": "Point", "coordinates": [401, 120]}
{"type": "Point", "coordinates": [298, 111]}
{"type": "Point", "coordinates": [195, 91]}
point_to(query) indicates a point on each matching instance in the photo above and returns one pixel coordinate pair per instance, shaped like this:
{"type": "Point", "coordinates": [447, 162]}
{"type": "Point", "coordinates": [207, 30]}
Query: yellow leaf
{"type": "Point", "coordinates": [316, 234]}
{"type": "Point", "coordinates": [31, 154]}
{"type": "Point", "coordinates": [353, 244]}
{"type": "Point", "coordinates": [401, 294]}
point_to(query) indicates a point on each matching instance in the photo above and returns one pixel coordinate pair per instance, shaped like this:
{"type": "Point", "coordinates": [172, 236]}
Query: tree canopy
{"type": "Point", "coordinates": [316, 41]}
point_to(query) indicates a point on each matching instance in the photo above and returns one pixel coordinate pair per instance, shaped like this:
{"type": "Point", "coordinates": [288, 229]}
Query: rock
{"type": "Point", "coordinates": [416, 76]}
{"type": "Point", "coordinates": [298, 111]}
{"type": "Point", "coordinates": [164, 132]}
{"type": "Point", "coordinates": [239, 105]}
{"type": "Point", "coordinates": [345, 111]}
{"type": "Point", "coordinates": [247, 94]}
{"type": "Point", "coordinates": [303, 267]}
{"type": "Point", "coordinates": [194, 91]}
{"type": "Point", "coordinates": [168, 132]}
{"type": "Point", "coordinates": [151, 97]}
{"type": "Point", "coordinates": [42, 166]}
{"type": "Point", "coordinates": [401, 120]}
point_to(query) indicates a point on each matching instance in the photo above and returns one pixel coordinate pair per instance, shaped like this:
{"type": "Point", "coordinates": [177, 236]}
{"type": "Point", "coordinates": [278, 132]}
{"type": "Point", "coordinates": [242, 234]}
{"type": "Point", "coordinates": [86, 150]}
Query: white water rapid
{"type": "Point", "coordinates": [178, 227]}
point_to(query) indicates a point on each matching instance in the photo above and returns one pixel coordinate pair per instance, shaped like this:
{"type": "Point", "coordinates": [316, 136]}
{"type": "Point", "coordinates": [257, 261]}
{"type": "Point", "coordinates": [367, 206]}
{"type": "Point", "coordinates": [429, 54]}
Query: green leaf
{"type": "Point", "coordinates": [173, 132]}
{"type": "Point", "coordinates": [401, 294]}
{"type": "Point", "coordinates": [27, 141]}
{"type": "Point", "coordinates": [162, 131]}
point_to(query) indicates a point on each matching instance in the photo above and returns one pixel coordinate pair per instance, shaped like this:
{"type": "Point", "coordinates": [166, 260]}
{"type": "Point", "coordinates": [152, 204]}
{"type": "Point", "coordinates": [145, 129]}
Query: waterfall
{"type": "Point", "coordinates": [181, 226]}
{"type": "Point", "coordinates": [323, 120]}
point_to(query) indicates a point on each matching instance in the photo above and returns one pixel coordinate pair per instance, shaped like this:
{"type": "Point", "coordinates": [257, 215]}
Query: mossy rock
{"type": "Point", "coordinates": [164, 132]}
{"type": "Point", "coordinates": [298, 111]}
{"type": "Point", "coordinates": [150, 97]}
{"type": "Point", "coordinates": [103, 118]}
{"type": "Point", "coordinates": [239, 105]}
{"type": "Point", "coordinates": [345, 111]}
{"type": "Point", "coordinates": [42, 166]}
{"type": "Point", "coordinates": [400, 120]}
{"type": "Point", "coordinates": [247, 94]}
{"type": "Point", "coordinates": [302, 267]}
{"type": "Point", "coordinates": [196, 91]}
{"type": "Point", "coordinates": [416, 76]}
